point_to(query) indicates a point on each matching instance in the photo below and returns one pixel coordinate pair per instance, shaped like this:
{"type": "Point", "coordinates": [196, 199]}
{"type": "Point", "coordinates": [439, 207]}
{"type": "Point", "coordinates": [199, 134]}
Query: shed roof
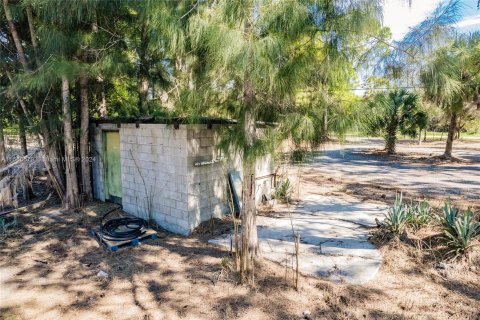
{"type": "Point", "coordinates": [164, 120]}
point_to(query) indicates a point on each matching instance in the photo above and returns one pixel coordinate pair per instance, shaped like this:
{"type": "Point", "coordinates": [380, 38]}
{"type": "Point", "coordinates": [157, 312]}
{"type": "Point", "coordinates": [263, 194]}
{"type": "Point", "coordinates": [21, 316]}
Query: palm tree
{"type": "Point", "coordinates": [451, 81]}
{"type": "Point", "coordinates": [394, 112]}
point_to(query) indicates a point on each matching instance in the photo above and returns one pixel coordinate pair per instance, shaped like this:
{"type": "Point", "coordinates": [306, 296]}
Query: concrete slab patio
{"type": "Point", "coordinates": [334, 237]}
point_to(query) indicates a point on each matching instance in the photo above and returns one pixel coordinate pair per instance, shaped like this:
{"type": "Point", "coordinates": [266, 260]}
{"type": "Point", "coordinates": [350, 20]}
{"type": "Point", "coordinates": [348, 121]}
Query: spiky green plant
{"type": "Point", "coordinates": [449, 217]}
{"type": "Point", "coordinates": [462, 234]}
{"type": "Point", "coordinates": [283, 190]}
{"type": "Point", "coordinates": [419, 214]}
{"type": "Point", "coordinates": [396, 217]}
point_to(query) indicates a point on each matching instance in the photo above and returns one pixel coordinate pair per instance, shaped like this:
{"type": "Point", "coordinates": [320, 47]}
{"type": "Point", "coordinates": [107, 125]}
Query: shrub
{"type": "Point", "coordinates": [283, 190]}
{"type": "Point", "coordinates": [462, 232]}
{"type": "Point", "coordinates": [298, 155]}
{"type": "Point", "coordinates": [397, 216]}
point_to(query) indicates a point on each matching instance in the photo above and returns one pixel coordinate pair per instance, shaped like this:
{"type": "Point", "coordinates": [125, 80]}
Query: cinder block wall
{"type": "Point", "coordinates": [175, 176]}
{"type": "Point", "coordinates": [154, 174]}
{"type": "Point", "coordinates": [207, 175]}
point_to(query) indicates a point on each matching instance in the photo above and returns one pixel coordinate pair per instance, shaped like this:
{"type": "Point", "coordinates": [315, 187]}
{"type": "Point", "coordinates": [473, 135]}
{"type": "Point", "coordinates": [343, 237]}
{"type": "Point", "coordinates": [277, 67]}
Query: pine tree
{"type": "Point", "coordinates": [256, 56]}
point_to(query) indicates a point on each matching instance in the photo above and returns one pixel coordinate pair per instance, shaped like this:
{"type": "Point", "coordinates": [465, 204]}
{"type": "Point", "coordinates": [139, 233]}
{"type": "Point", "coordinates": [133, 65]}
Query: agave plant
{"type": "Point", "coordinates": [420, 214]}
{"type": "Point", "coordinates": [449, 217]}
{"type": "Point", "coordinates": [397, 216]}
{"type": "Point", "coordinates": [462, 234]}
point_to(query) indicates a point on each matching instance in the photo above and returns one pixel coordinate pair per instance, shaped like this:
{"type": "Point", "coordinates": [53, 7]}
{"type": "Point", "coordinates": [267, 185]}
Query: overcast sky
{"type": "Point", "coordinates": [400, 17]}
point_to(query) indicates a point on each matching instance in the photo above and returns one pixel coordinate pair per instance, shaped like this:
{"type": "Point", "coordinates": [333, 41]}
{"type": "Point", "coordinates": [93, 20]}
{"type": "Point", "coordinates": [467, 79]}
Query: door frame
{"type": "Point", "coordinates": [108, 196]}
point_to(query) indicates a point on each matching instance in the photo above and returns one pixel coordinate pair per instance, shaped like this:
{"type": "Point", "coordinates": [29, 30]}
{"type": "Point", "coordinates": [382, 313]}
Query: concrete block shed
{"type": "Point", "coordinates": [172, 173]}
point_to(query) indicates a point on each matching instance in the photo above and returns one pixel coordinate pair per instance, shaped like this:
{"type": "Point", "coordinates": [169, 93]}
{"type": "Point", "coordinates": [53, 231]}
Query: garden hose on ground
{"type": "Point", "coordinates": [125, 228]}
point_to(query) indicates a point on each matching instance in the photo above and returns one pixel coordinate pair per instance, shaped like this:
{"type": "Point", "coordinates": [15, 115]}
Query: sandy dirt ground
{"type": "Point", "coordinates": [49, 267]}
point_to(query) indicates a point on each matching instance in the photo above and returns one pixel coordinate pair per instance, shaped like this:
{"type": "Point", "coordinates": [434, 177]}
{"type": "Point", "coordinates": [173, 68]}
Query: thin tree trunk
{"type": "Point", "coordinates": [71, 200]}
{"type": "Point", "coordinates": [142, 95]}
{"type": "Point", "coordinates": [419, 137]}
{"type": "Point", "coordinates": [33, 36]}
{"type": "Point", "coordinates": [24, 111]}
{"type": "Point", "coordinates": [143, 83]}
{"type": "Point", "coordinates": [451, 133]}
{"type": "Point", "coordinates": [22, 134]}
{"type": "Point", "coordinates": [459, 131]}
{"type": "Point", "coordinates": [3, 157]}
{"type": "Point", "coordinates": [15, 36]}
{"type": "Point", "coordinates": [94, 22]}
{"type": "Point", "coordinates": [50, 151]}
{"type": "Point", "coordinates": [102, 102]}
{"type": "Point", "coordinates": [27, 192]}
{"type": "Point", "coordinates": [84, 153]}
{"type": "Point", "coordinates": [325, 126]}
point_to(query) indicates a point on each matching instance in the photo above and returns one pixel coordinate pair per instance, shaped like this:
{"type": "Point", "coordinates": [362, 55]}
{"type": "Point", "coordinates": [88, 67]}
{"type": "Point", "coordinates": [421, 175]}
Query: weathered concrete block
{"type": "Point", "coordinates": [131, 139]}
{"type": "Point", "coordinates": [183, 206]}
{"type": "Point", "coordinates": [165, 158]}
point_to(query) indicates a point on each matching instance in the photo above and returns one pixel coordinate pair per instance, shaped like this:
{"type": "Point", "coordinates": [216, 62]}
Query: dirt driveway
{"type": "Point", "coordinates": [413, 170]}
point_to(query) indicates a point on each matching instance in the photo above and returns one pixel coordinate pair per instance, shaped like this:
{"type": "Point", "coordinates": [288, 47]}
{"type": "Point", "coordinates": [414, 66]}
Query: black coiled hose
{"type": "Point", "coordinates": [125, 228]}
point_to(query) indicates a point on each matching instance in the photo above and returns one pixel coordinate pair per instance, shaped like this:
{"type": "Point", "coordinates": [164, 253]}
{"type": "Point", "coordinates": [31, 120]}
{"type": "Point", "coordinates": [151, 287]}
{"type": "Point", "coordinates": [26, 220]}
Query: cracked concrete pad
{"type": "Point", "coordinates": [334, 238]}
{"type": "Point", "coordinates": [348, 209]}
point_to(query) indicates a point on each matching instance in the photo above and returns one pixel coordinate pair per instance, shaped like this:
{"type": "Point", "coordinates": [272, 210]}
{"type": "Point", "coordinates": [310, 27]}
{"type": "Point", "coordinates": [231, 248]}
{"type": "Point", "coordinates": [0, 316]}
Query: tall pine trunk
{"type": "Point", "coordinates": [84, 153]}
{"type": "Point", "coordinates": [71, 200]}
{"type": "Point", "coordinates": [3, 157]}
{"type": "Point", "coordinates": [451, 135]}
{"type": "Point", "coordinates": [249, 240]}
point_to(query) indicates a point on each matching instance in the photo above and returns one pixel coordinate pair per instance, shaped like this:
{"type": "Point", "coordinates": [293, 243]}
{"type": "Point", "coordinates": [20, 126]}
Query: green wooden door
{"type": "Point", "coordinates": [113, 177]}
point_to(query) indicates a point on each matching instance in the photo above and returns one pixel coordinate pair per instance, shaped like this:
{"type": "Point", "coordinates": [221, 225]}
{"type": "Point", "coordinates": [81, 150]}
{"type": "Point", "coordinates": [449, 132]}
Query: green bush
{"type": "Point", "coordinates": [298, 155]}
{"type": "Point", "coordinates": [283, 190]}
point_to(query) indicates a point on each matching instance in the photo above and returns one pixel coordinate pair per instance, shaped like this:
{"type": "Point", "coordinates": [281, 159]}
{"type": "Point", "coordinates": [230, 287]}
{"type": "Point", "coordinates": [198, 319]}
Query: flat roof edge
{"type": "Point", "coordinates": [153, 120]}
